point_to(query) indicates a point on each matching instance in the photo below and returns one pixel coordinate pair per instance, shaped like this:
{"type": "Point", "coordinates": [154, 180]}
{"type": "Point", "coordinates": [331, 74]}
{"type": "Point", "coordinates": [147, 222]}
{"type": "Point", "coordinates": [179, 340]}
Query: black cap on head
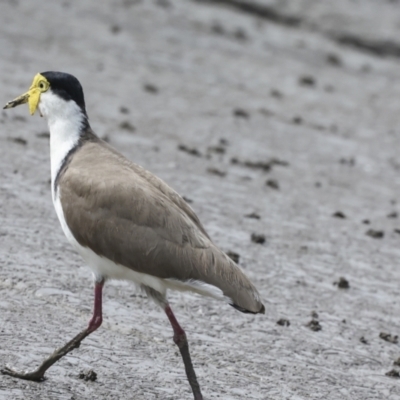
{"type": "Point", "coordinates": [66, 86]}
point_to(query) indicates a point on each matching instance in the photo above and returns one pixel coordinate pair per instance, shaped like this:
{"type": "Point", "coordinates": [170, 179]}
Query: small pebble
{"type": "Point", "coordinates": [253, 215]}
{"type": "Point", "coordinates": [338, 214]}
{"type": "Point", "coordinates": [150, 88]}
{"type": "Point", "coordinates": [283, 322]}
{"type": "Point", "coordinates": [307, 80]}
{"type": "Point", "coordinates": [192, 151]}
{"type": "Point", "coordinates": [258, 238]}
{"type": "Point", "coordinates": [240, 113]}
{"type": "Point", "coordinates": [216, 171]}
{"type": "Point", "coordinates": [314, 325]}
{"type": "Point", "coordinates": [342, 283]}
{"type": "Point", "coordinates": [89, 375]}
{"type": "Point", "coordinates": [375, 234]}
{"type": "Point", "coordinates": [363, 340]}
{"type": "Point", "coordinates": [126, 125]}
{"type": "Point", "coordinates": [389, 337]}
{"type": "Point", "coordinates": [272, 183]}
{"type": "Point", "coordinates": [393, 373]}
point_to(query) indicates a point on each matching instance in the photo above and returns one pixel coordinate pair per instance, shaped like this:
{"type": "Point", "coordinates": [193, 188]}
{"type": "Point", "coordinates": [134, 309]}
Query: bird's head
{"type": "Point", "coordinates": [53, 93]}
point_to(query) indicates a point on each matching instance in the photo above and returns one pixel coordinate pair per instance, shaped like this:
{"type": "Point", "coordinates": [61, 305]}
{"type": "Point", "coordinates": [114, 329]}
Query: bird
{"type": "Point", "coordinates": [125, 222]}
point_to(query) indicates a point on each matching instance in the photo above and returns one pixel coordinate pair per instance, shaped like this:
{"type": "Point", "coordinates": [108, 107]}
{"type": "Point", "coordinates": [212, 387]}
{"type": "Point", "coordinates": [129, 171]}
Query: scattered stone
{"type": "Point", "coordinates": [234, 256]}
{"type": "Point", "coordinates": [190, 150]}
{"type": "Point", "coordinates": [223, 142]}
{"type": "Point", "coordinates": [124, 110]}
{"type": "Point", "coordinates": [366, 221]}
{"type": "Point", "coordinates": [258, 238]}
{"type": "Point", "coordinates": [43, 135]}
{"type": "Point", "coordinates": [88, 375]}
{"type": "Point", "coordinates": [216, 171]}
{"type": "Point", "coordinates": [363, 340]}
{"type": "Point", "coordinates": [314, 315]}
{"type": "Point", "coordinates": [106, 138]}
{"type": "Point", "coordinates": [187, 199]}
{"type": "Point", "coordinates": [397, 231]}
{"type": "Point", "coordinates": [339, 214]}
{"type": "Point", "coordinates": [397, 362]}
{"type": "Point", "coordinates": [283, 322]}
{"type": "Point", "coordinates": [314, 325]}
{"type": "Point", "coordinates": [18, 140]}
{"type": "Point", "coordinates": [272, 183]}
{"type": "Point", "coordinates": [127, 126]}
{"type": "Point", "coordinates": [375, 234]}
{"type": "Point", "coordinates": [277, 161]}
{"type": "Point", "coordinates": [393, 214]}
{"type": "Point", "coordinates": [333, 59]}
{"type": "Point", "coordinates": [389, 337]}
{"type": "Point", "coordinates": [307, 80]}
{"type": "Point", "coordinates": [266, 166]}
{"type": "Point", "coordinates": [150, 88]}
{"type": "Point", "coordinates": [342, 283]}
{"type": "Point", "coordinates": [253, 215]}
{"type": "Point", "coordinates": [317, 184]}
{"type": "Point", "coordinates": [393, 373]}
{"type": "Point", "coordinates": [240, 113]}
{"type": "Point", "coordinates": [216, 149]}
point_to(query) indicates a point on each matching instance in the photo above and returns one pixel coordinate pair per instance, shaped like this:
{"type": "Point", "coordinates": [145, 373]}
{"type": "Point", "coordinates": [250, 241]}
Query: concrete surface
{"type": "Point", "coordinates": [192, 73]}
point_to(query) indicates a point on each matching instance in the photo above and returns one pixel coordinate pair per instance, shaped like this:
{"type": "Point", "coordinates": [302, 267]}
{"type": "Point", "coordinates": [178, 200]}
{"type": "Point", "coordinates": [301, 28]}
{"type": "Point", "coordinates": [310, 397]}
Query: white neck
{"type": "Point", "coordinates": [65, 120]}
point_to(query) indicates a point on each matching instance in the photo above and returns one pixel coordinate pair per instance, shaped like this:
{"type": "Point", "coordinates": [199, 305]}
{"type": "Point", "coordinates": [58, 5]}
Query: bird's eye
{"type": "Point", "coordinates": [43, 86]}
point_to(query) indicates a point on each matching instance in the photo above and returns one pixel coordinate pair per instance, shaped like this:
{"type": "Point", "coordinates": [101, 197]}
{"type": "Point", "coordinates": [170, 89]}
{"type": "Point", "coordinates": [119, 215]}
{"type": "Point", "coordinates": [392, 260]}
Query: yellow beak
{"type": "Point", "coordinates": [32, 96]}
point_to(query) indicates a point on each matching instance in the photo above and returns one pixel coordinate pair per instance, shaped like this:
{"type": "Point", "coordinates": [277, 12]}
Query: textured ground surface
{"type": "Point", "coordinates": [312, 86]}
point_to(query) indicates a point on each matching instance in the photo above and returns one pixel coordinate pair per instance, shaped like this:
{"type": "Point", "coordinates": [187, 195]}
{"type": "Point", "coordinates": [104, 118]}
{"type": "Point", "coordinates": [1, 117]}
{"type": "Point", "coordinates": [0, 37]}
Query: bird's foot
{"type": "Point", "coordinates": [36, 375]}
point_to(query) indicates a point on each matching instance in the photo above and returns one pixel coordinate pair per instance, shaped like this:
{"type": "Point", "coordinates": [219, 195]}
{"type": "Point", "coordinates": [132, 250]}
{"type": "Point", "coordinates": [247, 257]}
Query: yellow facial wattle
{"type": "Point", "coordinates": [39, 85]}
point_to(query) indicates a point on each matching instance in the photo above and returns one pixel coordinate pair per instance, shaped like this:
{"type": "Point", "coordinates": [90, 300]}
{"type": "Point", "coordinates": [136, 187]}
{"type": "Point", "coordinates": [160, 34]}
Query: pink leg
{"type": "Point", "coordinates": [97, 317]}
{"type": "Point", "coordinates": [94, 323]}
{"type": "Point", "coordinates": [182, 343]}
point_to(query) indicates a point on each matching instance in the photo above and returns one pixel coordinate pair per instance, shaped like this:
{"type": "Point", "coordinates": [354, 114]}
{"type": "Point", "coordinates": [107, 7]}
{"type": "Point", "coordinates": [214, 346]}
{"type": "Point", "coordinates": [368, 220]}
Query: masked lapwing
{"type": "Point", "coordinates": [125, 222]}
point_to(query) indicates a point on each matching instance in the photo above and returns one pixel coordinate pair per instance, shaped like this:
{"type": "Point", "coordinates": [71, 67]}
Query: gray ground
{"type": "Point", "coordinates": [314, 84]}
